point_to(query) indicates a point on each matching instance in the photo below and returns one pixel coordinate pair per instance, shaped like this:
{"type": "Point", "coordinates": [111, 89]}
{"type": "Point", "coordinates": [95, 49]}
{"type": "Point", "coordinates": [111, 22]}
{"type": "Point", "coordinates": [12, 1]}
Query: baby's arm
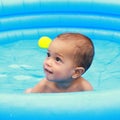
{"type": "Point", "coordinates": [29, 90]}
{"type": "Point", "coordinates": [86, 86]}
{"type": "Point", "coordinates": [38, 88]}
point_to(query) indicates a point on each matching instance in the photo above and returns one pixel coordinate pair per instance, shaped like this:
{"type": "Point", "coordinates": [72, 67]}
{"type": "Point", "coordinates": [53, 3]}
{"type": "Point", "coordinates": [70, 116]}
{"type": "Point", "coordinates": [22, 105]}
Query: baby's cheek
{"type": "Point", "coordinates": [62, 73]}
{"type": "Point", "coordinates": [58, 75]}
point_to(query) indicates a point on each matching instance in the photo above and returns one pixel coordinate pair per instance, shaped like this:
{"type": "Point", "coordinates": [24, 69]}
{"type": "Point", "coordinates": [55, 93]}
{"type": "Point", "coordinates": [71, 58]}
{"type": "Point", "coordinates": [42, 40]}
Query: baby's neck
{"type": "Point", "coordinates": [64, 85]}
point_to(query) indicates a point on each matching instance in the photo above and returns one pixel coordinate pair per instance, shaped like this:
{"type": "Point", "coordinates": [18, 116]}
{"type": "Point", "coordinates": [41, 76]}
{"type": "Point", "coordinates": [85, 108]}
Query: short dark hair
{"type": "Point", "coordinates": [84, 48]}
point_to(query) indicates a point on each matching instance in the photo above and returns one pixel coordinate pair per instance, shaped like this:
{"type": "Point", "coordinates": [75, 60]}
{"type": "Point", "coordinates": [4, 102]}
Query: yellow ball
{"type": "Point", "coordinates": [44, 42]}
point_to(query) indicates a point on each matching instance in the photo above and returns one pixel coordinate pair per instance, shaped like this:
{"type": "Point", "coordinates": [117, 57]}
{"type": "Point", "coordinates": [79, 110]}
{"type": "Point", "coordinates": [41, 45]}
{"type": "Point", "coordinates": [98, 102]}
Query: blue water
{"type": "Point", "coordinates": [21, 65]}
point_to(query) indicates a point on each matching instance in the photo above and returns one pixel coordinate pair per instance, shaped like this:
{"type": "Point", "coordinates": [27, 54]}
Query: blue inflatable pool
{"type": "Point", "coordinates": [22, 23]}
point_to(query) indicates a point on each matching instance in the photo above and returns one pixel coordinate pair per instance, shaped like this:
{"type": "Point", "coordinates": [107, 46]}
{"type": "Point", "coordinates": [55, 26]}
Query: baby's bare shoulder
{"type": "Point", "coordinates": [86, 86]}
{"type": "Point", "coordinates": [40, 86]}
{"type": "Point", "coordinates": [43, 82]}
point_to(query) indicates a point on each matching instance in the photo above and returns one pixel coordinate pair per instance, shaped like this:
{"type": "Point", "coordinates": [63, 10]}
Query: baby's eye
{"type": "Point", "coordinates": [48, 54]}
{"type": "Point", "coordinates": [58, 59]}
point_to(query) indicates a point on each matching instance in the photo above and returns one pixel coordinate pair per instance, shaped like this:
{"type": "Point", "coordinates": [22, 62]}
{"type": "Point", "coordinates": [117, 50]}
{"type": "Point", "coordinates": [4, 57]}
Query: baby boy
{"type": "Point", "coordinates": [69, 56]}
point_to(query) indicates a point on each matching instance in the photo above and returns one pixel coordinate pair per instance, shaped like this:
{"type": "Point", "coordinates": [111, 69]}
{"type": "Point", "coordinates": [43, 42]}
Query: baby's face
{"type": "Point", "coordinates": [58, 65]}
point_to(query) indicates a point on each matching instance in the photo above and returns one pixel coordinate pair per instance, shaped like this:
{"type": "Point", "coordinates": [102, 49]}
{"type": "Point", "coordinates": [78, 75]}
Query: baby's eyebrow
{"type": "Point", "coordinates": [58, 54]}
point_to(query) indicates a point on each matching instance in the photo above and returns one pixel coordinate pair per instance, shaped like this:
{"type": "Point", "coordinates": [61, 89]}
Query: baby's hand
{"type": "Point", "coordinates": [29, 90]}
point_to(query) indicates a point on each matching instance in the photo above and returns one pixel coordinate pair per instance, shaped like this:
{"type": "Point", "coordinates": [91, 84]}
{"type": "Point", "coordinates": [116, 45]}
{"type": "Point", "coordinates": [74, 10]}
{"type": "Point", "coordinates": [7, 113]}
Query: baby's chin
{"type": "Point", "coordinates": [50, 79]}
{"type": "Point", "coordinates": [54, 80]}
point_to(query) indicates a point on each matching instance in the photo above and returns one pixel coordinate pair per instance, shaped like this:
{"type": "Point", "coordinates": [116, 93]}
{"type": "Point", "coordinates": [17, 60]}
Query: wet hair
{"type": "Point", "coordinates": [83, 52]}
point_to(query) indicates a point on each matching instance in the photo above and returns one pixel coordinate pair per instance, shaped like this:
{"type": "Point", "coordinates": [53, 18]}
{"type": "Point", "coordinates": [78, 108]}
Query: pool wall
{"type": "Point", "coordinates": [31, 19]}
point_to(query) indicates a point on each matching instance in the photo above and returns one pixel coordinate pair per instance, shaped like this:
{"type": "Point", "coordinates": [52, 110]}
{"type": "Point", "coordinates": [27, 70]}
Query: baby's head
{"type": "Point", "coordinates": [68, 57]}
{"type": "Point", "coordinates": [82, 48]}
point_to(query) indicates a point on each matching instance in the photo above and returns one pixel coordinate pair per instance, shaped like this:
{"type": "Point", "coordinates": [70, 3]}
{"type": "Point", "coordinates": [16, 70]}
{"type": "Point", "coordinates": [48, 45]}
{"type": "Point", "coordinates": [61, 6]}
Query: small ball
{"type": "Point", "coordinates": [44, 42]}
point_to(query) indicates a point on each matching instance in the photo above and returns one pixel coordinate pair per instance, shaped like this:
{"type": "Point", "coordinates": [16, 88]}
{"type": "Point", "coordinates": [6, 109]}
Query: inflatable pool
{"type": "Point", "coordinates": [22, 23]}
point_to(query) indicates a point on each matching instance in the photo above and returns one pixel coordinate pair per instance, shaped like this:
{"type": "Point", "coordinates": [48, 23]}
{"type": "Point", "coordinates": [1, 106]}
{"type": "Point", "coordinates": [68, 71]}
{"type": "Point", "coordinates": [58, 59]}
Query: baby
{"type": "Point", "coordinates": [68, 57]}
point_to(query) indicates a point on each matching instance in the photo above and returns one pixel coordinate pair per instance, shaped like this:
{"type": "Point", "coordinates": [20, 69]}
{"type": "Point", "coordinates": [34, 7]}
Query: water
{"type": "Point", "coordinates": [21, 65]}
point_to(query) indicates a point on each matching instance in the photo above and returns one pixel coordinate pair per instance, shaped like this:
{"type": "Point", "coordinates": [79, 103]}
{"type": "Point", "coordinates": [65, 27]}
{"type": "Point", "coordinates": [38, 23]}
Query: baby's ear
{"type": "Point", "coordinates": [78, 72]}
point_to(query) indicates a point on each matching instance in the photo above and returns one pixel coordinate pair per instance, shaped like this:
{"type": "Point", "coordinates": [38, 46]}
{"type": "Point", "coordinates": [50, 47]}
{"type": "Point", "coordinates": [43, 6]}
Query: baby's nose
{"type": "Point", "coordinates": [48, 62]}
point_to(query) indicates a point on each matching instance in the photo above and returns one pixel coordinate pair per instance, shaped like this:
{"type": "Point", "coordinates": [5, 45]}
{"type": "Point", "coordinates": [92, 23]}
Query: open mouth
{"type": "Point", "coordinates": [48, 71]}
